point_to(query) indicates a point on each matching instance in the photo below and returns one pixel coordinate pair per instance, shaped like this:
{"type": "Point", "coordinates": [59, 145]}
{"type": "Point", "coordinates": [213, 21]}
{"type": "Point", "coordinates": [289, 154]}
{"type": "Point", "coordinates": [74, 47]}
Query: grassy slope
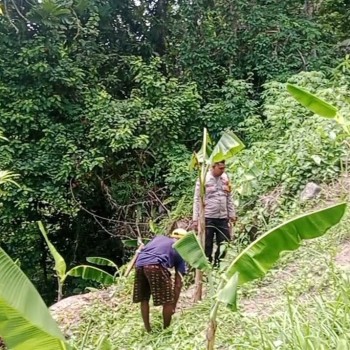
{"type": "Point", "coordinates": [302, 304]}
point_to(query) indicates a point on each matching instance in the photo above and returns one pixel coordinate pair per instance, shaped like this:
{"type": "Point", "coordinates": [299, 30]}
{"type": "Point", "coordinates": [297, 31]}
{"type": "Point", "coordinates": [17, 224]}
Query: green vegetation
{"type": "Point", "coordinates": [102, 104]}
{"type": "Point", "coordinates": [83, 271]}
{"type": "Point", "coordinates": [102, 115]}
{"type": "Point", "coordinates": [302, 303]}
{"type": "Point", "coordinates": [255, 260]}
{"type": "Point", "coordinates": [25, 321]}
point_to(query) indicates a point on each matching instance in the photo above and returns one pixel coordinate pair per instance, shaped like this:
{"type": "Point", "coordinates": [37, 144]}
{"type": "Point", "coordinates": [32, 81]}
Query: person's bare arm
{"type": "Point", "coordinates": [231, 211]}
{"type": "Point", "coordinates": [178, 286]}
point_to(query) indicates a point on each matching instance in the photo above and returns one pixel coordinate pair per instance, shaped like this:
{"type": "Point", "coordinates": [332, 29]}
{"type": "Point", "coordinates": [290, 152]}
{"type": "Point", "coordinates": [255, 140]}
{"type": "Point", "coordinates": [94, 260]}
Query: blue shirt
{"type": "Point", "coordinates": [160, 251]}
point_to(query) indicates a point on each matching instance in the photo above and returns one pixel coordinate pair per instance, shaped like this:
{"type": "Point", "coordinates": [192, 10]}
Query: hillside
{"type": "Point", "coordinates": [301, 304]}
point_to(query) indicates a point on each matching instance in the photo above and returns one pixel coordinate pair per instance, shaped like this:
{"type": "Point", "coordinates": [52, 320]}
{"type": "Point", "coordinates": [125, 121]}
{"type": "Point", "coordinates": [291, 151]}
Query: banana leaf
{"type": "Point", "coordinates": [101, 261]}
{"type": "Point", "coordinates": [103, 343]}
{"type": "Point", "coordinates": [60, 264]}
{"type": "Point", "coordinates": [91, 273]}
{"type": "Point", "coordinates": [312, 102]}
{"type": "Point", "coordinates": [194, 162]}
{"type": "Point", "coordinates": [203, 154]}
{"type": "Point", "coordinates": [228, 145]}
{"type": "Point", "coordinates": [254, 261]}
{"type": "Point", "coordinates": [192, 252]}
{"type": "Point", "coordinates": [134, 243]}
{"type": "Point", "coordinates": [25, 321]}
{"type": "Point", "coordinates": [228, 294]}
{"type": "Point", "coordinates": [8, 176]}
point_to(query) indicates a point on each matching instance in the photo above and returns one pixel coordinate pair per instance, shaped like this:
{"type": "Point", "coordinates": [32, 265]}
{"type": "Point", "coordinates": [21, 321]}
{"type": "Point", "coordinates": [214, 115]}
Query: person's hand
{"type": "Point", "coordinates": [227, 189]}
{"type": "Point", "coordinates": [195, 225]}
{"type": "Point", "coordinates": [233, 220]}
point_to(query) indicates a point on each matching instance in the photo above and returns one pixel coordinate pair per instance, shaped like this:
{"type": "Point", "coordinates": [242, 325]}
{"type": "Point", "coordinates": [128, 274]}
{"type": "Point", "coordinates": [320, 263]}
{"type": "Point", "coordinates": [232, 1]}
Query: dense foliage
{"type": "Point", "coordinates": [103, 103]}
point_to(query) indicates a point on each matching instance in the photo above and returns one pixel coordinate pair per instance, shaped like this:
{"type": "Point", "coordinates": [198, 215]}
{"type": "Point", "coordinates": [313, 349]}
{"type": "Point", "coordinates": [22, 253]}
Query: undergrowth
{"type": "Point", "coordinates": [303, 303]}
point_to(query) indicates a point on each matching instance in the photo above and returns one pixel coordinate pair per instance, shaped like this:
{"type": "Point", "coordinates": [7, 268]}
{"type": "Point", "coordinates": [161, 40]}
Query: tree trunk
{"type": "Point", "coordinates": [60, 290]}
{"type": "Point", "coordinates": [199, 286]}
{"type": "Point", "coordinates": [211, 331]}
{"type": "Point", "coordinates": [309, 8]}
{"type": "Point", "coordinates": [2, 345]}
{"type": "Point", "coordinates": [201, 234]}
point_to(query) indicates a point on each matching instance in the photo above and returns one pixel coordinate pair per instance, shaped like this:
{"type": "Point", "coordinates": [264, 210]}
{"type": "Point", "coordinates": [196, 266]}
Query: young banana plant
{"type": "Point", "coordinates": [25, 321]}
{"type": "Point", "coordinates": [84, 271]}
{"type": "Point", "coordinates": [228, 145]}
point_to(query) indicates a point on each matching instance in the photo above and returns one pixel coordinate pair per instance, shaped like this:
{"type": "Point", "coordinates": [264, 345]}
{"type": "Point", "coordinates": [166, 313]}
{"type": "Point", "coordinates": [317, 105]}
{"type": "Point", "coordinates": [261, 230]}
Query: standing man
{"type": "Point", "coordinates": [152, 276]}
{"type": "Point", "coordinates": [219, 209]}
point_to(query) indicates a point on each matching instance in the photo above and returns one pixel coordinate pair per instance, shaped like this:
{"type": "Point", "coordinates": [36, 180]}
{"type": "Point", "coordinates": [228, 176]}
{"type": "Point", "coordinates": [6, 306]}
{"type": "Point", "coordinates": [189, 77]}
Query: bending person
{"type": "Point", "coordinates": [152, 277]}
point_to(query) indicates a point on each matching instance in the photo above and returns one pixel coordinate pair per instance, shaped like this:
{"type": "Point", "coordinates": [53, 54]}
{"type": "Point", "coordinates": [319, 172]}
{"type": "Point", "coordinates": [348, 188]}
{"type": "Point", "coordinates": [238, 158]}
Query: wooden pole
{"type": "Point", "coordinates": [133, 260]}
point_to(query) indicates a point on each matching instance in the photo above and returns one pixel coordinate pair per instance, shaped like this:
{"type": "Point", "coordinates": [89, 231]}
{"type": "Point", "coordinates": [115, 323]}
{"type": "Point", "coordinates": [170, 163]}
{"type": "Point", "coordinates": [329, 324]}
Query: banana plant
{"type": "Point", "coordinates": [255, 260]}
{"type": "Point", "coordinates": [83, 271]}
{"type": "Point", "coordinates": [134, 243]}
{"type": "Point", "coordinates": [318, 106]}
{"type": "Point", "coordinates": [25, 321]}
{"type": "Point", "coordinates": [8, 176]}
{"type": "Point", "coordinates": [228, 145]}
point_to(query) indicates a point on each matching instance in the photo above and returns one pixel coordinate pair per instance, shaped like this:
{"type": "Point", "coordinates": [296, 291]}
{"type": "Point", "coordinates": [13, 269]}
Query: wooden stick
{"type": "Point", "coordinates": [133, 260]}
